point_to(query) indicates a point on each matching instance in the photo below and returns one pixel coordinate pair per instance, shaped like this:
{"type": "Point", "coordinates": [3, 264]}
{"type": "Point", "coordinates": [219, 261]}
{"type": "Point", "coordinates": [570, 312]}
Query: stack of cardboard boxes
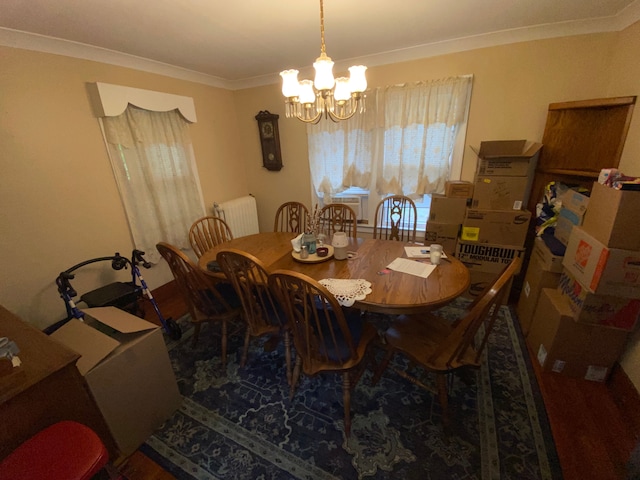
{"type": "Point", "coordinates": [581, 327]}
{"type": "Point", "coordinates": [446, 215]}
{"type": "Point", "coordinates": [544, 267]}
{"type": "Point", "coordinates": [494, 227]}
{"type": "Point", "coordinates": [543, 271]}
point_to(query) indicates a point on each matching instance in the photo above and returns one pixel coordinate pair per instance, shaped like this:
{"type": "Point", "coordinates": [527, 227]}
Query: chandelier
{"type": "Point", "coordinates": [337, 99]}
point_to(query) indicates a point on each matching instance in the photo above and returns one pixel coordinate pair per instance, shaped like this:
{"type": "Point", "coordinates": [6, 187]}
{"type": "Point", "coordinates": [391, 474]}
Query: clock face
{"type": "Point", "coordinates": [269, 140]}
{"type": "Point", "coordinates": [267, 130]}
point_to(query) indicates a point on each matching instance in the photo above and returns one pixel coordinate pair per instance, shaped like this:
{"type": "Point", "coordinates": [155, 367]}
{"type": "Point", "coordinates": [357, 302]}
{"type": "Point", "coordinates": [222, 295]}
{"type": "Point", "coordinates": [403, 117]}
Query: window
{"type": "Point", "coordinates": [154, 166]}
{"type": "Point", "coordinates": [409, 141]}
{"type": "Point", "coordinates": [153, 163]}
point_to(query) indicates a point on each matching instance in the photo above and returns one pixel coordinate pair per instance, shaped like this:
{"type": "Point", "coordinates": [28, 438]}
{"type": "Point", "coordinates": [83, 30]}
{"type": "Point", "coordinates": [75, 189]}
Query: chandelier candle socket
{"type": "Point", "coordinates": [334, 98]}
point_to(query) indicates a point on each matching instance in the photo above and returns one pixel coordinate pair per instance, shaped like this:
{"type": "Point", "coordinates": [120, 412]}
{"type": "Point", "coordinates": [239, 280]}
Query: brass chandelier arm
{"type": "Point", "coordinates": [324, 105]}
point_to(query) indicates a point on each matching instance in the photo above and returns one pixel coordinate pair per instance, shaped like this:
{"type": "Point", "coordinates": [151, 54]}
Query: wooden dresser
{"type": "Point", "coordinates": [45, 389]}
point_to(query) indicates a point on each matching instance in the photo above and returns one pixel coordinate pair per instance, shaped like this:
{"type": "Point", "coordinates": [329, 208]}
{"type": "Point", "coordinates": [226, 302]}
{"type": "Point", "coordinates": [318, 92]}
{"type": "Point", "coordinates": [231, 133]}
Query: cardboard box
{"type": "Point", "coordinates": [458, 188]}
{"type": "Point", "coordinates": [487, 258]}
{"type": "Point", "coordinates": [500, 193]}
{"type": "Point", "coordinates": [602, 270]}
{"type": "Point", "coordinates": [565, 222]}
{"type": "Point", "coordinates": [612, 217]}
{"type": "Point", "coordinates": [575, 201]}
{"type": "Point", "coordinates": [447, 209]}
{"type": "Point", "coordinates": [573, 349]}
{"type": "Point", "coordinates": [574, 207]}
{"type": "Point", "coordinates": [550, 262]}
{"type": "Point", "coordinates": [507, 158]}
{"type": "Point", "coordinates": [446, 234]}
{"type": "Point", "coordinates": [507, 227]}
{"type": "Point", "coordinates": [536, 278]}
{"type": "Point", "coordinates": [605, 310]}
{"type": "Point", "coordinates": [125, 363]}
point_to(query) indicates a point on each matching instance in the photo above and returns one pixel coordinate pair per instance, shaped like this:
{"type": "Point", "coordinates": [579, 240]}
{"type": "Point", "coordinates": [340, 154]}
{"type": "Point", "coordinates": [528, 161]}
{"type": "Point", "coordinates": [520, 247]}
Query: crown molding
{"type": "Point", "coordinates": [41, 43]}
{"type": "Point", "coordinates": [57, 46]}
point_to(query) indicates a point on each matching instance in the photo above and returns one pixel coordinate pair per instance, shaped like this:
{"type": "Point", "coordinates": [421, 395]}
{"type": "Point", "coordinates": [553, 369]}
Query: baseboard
{"type": "Point", "coordinates": [626, 396]}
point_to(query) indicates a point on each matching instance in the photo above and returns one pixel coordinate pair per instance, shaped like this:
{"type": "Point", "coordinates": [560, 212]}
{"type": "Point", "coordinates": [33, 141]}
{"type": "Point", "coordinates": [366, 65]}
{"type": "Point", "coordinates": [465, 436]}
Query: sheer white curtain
{"type": "Point", "coordinates": [152, 158]}
{"type": "Point", "coordinates": [340, 154]}
{"type": "Point", "coordinates": [421, 121]}
{"type": "Point", "coordinates": [402, 144]}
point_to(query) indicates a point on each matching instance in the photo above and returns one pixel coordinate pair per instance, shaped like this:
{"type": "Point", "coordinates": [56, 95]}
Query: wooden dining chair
{"type": "Point", "coordinates": [326, 339]}
{"type": "Point", "coordinates": [208, 232]}
{"type": "Point", "coordinates": [396, 219]}
{"type": "Point", "coordinates": [206, 301]}
{"type": "Point", "coordinates": [443, 347]}
{"type": "Point", "coordinates": [262, 313]}
{"type": "Point", "coordinates": [337, 217]}
{"type": "Point", "coordinates": [291, 217]}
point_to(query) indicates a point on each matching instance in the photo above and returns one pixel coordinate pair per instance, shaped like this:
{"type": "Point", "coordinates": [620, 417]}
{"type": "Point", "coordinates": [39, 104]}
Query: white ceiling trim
{"type": "Point", "coordinates": [57, 46]}
{"type": "Point", "coordinates": [41, 43]}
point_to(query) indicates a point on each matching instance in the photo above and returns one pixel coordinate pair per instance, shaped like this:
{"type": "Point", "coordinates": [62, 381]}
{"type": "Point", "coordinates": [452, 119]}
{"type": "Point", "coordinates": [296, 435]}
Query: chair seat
{"type": "Point", "coordinates": [114, 294]}
{"type": "Point", "coordinates": [420, 336]}
{"type": "Point", "coordinates": [363, 334]}
{"type": "Point", "coordinates": [64, 451]}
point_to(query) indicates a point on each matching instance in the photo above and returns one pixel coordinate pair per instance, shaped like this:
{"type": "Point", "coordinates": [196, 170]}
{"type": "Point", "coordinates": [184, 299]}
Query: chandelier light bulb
{"type": "Point", "coordinates": [290, 85]}
{"type": "Point", "coordinates": [357, 79]}
{"type": "Point", "coordinates": [342, 93]}
{"type": "Point", "coordinates": [307, 95]}
{"type": "Point", "coordinates": [324, 73]}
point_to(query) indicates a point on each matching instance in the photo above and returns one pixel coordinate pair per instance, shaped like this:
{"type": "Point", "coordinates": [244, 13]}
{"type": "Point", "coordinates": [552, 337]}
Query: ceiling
{"type": "Point", "coordinates": [243, 43]}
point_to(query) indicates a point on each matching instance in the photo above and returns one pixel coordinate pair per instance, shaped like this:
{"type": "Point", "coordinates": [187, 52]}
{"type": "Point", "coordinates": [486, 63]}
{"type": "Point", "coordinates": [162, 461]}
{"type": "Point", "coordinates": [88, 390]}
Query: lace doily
{"type": "Point", "coordinates": [347, 290]}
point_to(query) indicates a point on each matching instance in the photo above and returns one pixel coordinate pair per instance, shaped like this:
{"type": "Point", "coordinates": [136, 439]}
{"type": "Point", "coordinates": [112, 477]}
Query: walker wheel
{"type": "Point", "coordinates": [173, 329]}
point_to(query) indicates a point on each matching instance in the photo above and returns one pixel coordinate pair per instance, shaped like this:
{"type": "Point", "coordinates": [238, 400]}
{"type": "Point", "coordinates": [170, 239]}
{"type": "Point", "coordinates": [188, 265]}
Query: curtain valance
{"type": "Point", "coordinates": [112, 101]}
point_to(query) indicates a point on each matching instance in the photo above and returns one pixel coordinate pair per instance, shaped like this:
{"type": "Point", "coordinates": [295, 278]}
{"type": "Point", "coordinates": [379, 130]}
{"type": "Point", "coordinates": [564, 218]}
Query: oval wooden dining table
{"type": "Point", "coordinates": [392, 292]}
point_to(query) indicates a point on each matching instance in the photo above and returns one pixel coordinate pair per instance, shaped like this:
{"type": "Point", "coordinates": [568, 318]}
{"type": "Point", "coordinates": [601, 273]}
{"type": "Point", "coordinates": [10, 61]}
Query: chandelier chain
{"type": "Point", "coordinates": [322, 47]}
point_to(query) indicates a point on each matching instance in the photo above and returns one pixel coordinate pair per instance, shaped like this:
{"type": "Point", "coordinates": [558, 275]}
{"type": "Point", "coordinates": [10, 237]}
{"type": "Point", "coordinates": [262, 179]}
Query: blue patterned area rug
{"type": "Point", "coordinates": [239, 423]}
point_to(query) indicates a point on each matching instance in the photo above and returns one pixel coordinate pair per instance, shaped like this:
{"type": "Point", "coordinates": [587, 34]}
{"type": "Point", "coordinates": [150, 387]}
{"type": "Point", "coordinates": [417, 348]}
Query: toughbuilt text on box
{"type": "Point", "coordinates": [487, 257]}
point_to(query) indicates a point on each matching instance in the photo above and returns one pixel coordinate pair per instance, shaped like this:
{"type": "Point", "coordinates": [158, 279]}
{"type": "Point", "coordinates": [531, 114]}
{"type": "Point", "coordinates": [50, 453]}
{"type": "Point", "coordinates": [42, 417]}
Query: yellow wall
{"type": "Point", "coordinates": [59, 204]}
{"type": "Point", "coordinates": [513, 86]}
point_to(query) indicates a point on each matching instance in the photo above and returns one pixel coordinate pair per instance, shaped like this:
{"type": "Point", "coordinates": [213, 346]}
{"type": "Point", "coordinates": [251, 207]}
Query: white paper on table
{"type": "Point", "coordinates": [412, 267]}
{"type": "Point", "coordinates": [419, 252]}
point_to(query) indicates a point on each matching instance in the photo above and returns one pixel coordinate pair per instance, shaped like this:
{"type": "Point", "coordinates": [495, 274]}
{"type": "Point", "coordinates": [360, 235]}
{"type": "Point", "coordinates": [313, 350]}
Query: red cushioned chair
{"type": "Point", "coordinates": [64, 451]}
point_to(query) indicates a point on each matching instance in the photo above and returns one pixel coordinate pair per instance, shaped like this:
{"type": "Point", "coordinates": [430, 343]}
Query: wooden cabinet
{"type": "Point", "coordinates": [581, 138]}
{"type": "Point", "coordinates": [47, 388]}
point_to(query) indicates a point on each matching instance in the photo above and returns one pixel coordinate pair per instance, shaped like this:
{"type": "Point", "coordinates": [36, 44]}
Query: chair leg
{"type": "Point", "coordinates": [443, 397]}
{"type": "Point", "coordinates": [296, 376]}
{"type": "Point", "coordinates": [196, 333]}
{"type": "Point", "coordinates": [224, 343]}
{"type": "Point", "coordinates": [346, 398]}
{"type": "Point", "coordinates": [245, 350]}
{"type": "Point", "coordinates": [287, 354]}
{"type": "Point", "coordinates": [383, 366]}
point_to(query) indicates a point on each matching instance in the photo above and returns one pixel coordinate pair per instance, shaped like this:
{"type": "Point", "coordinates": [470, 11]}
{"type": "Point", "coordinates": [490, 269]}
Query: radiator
{"type": "Point", "coordinates": [241, 214]}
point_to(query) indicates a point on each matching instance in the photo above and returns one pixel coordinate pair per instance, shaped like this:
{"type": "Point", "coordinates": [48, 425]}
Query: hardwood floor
{"type": "Point", "coordinates": [595, 426]}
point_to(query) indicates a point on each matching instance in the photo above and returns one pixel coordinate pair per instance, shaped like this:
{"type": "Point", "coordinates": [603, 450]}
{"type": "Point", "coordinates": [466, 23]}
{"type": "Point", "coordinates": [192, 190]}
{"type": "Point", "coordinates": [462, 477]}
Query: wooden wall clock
{"type": "Point", "coordinates": [269, 140]}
